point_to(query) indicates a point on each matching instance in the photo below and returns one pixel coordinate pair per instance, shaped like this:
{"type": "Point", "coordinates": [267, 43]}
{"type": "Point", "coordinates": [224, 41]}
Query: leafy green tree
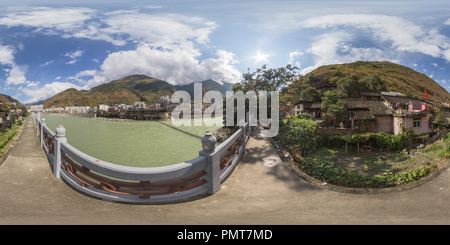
{"type": "Point", "coordinates": [440, 119]}
{"type": "Point", "coordinates": [337, 112]}
{"type": "Point", "coordinates": [330, 98]}
{"type": "Point", "coordinates": [334, 108]}
{"type": "Point", "coordinates": [267, 79]}
{"type": "Point", "coordinates": [311, 94]}
{"type": "Point", "coordinates": [373, 83]}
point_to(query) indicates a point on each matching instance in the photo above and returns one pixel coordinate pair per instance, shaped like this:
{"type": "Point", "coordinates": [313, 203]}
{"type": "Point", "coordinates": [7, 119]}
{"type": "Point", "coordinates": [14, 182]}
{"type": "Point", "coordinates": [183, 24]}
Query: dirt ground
{"type": "Point", "coordinates": [374, 162]}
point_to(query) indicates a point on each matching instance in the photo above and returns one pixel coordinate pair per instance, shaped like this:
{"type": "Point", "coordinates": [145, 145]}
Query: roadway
{"type": "Point", "coordinates": [254, 194]}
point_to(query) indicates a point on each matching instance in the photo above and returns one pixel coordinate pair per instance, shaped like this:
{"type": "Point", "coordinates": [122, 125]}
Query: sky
{"type": "Point", "coordinates": [48, 46]}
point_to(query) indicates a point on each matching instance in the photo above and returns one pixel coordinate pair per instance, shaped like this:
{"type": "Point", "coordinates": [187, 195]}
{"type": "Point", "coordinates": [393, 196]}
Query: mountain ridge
{"type": "Point", "coordinates": [127, 90]}
{"type": "Point", "coordinates": [133, 88]}
{"type": "Point", "coordinates": [396, 77]}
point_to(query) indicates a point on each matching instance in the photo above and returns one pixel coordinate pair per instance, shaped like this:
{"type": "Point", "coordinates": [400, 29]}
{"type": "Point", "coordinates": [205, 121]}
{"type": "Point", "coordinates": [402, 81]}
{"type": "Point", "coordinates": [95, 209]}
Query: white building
{"type": "Point", "coordinates": [139, 104]}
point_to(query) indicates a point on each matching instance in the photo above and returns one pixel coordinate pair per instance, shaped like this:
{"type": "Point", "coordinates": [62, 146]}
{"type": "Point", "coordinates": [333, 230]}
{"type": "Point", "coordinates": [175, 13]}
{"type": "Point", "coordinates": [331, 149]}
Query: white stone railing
{"type": "Point", "coordinates": [116, 183]}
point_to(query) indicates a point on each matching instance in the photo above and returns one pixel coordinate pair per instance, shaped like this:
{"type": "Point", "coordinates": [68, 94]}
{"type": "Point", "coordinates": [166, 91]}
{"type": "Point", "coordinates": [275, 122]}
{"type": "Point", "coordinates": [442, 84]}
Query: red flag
{"type": "Point", "coordinates": [426, 95]}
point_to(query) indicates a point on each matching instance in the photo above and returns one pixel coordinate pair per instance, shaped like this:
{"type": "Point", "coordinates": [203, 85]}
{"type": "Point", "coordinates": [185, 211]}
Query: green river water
{"type": "Point", "coordinates": [131, 143]}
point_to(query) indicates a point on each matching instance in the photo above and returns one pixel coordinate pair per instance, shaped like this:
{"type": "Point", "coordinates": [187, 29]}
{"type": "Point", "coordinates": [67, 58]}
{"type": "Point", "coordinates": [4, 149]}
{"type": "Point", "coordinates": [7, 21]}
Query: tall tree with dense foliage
{"type": "Point", "coordinates": [334, 108]}
{"type": "Point", "coordinates": [348, 87]}
{"type": "Point", "coordinates": [267, 79]}
{"type": "Point", "coordinates": [311, 94]}
{"type": "Point", "coordinates": [330, 97]}
{"type": "Point", "coordinates": [372, 83]}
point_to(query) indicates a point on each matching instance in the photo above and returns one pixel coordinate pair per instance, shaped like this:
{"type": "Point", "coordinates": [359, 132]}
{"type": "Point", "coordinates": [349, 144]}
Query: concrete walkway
{"type": "Point", "coordinates": [254, 194]}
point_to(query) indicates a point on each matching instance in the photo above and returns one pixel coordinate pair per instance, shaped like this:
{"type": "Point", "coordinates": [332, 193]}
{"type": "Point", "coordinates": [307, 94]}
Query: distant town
{"type": "Point", "coordinates": [138, 111]}
{"type": "Point", "coordinates": [11, 113]}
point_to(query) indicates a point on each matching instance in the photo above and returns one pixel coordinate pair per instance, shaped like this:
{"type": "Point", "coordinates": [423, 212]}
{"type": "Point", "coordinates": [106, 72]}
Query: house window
{"type": "Point", "coordinates": [417, 122]}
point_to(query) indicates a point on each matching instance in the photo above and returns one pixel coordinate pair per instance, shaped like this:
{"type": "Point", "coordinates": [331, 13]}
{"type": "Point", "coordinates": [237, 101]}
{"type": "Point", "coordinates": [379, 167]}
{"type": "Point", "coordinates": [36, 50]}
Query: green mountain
{"type": "Point", "coordinates": [127, 91]}
{"type": "Point", "coordinates": [70, 97]}
{"type": "Point", "coordinates": [130, 89]}
{"type": "Point", "coordinates": [396, 77]}
{"type": "Point", "coordinates": [6, 99]}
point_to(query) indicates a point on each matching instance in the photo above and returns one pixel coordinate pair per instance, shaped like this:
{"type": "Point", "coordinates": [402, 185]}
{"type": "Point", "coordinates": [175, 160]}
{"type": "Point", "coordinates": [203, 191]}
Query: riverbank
{"type": "Point", "coordinates": [89, 115]}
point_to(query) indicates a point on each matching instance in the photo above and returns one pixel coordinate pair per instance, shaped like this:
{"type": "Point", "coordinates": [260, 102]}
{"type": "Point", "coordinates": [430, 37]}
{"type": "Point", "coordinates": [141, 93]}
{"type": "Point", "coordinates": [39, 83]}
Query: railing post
{"type": "Point", "coordinates": [60, 137]}
{"type": "Point", "coordinates": [42, 131]}
{"type": "Point", "coordinates": [213, 166]}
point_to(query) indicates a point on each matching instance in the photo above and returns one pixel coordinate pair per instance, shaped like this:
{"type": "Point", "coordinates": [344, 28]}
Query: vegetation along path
{"type": "Point", "coordinates": [258, 192]}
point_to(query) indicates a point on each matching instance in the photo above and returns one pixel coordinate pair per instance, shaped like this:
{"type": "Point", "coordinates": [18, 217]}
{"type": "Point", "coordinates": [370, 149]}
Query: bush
{"type": "Point", "coordinates": [382, 140]}
{"type": "Point", "coordinates": [300, 133]}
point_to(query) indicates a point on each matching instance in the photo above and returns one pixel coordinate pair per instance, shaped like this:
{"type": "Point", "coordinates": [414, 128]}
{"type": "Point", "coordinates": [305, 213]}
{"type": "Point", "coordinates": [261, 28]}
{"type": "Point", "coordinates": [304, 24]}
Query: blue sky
{"type": "Point", "coordinates": [48, 46]}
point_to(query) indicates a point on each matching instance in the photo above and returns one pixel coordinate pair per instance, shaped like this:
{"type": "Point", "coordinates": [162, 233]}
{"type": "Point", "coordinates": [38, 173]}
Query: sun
{"type": "Point", "coordinates": [261, 57]}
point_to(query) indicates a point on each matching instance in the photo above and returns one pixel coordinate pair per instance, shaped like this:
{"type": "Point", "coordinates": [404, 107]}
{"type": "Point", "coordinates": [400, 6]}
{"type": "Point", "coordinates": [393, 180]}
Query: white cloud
{"type": "Point", "coordinates": [161, 30]}
{"type": "Point", "coordinates": [16, 73]}
{"type": "Point", "coordinates": [292, 56]}
{"type": "Point", "coordinates": [335, 48]}
{"type": "Point", "coordinates": [73, 56]}
{"type": "Point", "coordinates": [168, 46]}
{"type": "Point", "coordinates": [178, 66]}
{"type": "Point", "coordinates": [32, 84]}
{"type": "Point", "coordinates": [401, 34]}
{"type": "Point", "coordinates": [117, 27]}
{"type": "Point", "coordinates": [6, 55]}
{"type": "Point", "coordinates": [46, 63]}
{"type": "Point", "coordinates": [67, 20]}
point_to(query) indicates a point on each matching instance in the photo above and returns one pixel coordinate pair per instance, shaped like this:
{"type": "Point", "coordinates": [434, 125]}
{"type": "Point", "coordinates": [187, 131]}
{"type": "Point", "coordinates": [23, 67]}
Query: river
{"type": "Point", "coordinates": [131, 143]}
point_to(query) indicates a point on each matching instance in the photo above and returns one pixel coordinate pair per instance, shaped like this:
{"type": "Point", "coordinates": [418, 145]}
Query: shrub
{"type": "Point", "coordinates": [300, 133]}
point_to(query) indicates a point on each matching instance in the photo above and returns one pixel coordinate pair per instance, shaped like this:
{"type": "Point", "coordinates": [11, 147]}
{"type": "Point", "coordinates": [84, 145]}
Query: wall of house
{"type": "Point", "coordinates": [398, 123]}
{"type": "Point", "coordinates": [408, 123]}
{"type": "Point", "coordinates": [423, 129]}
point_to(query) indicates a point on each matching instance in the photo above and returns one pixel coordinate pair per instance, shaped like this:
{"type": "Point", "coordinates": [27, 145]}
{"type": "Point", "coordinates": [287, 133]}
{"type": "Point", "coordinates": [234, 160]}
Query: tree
{"type": "Point", "coordinates": [328, 99]}
{"type": "Point", "coordinates": [335, 108]}
{"type": "Point", "coordinates": [373, 83]}
{"type": "Point", "coordinates": [348, 87]}
{"type": "Point", "coordinates": [264, 79]}
{"type": "Point", "coordinates": [337, 112]}
{"type": "Point", "coordinates": [440, 119]}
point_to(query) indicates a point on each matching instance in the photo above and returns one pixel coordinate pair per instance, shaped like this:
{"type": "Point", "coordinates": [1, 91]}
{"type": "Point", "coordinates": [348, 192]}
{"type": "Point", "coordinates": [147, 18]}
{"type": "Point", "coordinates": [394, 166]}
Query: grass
{"type": "Point", "coordinates": [7, 136]}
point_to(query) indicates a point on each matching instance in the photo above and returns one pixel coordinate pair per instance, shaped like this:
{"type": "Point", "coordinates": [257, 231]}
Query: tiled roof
{"type": "Point", "coordinates": [374, 106]}
{"type": "Point", "coordinates": [360, 115]}
{"type": "Point", "coordinates": [322, 84]}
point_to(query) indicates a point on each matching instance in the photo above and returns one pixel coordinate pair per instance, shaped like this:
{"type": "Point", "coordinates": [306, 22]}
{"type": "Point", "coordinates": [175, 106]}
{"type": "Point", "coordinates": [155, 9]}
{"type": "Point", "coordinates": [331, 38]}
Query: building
{"type": "Point", "coordinates": [312, 108]}
{"type": "Point", "coordinates": [389, 112]}
{"type": "Point", "coordinates": [324, 86]}
{"type": "Point", "coordinates": [139, 104]}
{"type": "Point", "coordinates": [369, 116]}
{"type": "Point", "coordinates": [408, 113]}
